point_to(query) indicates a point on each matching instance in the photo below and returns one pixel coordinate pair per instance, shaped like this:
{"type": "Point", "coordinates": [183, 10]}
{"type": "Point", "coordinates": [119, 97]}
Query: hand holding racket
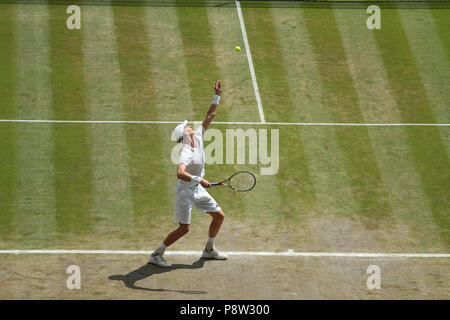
{"type": "Point", "coordinates": [241, 181]}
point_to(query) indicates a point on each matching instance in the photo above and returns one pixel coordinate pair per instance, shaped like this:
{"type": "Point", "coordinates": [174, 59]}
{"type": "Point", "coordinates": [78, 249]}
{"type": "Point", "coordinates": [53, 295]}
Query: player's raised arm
{"type": "Point", "coordinates": [213, 107]}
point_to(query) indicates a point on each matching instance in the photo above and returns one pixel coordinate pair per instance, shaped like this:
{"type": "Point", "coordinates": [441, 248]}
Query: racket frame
{"type": "Point", "coordinates": [222, 183]}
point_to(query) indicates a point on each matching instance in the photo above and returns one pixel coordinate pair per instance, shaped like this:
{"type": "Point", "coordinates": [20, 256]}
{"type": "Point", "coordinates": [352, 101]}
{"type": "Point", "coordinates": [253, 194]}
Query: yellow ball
{"type": "Point", "coordinates": [237, 48]}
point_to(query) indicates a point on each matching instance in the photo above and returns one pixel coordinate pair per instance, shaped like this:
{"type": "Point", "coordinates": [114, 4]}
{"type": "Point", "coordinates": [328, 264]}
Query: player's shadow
{"type": "Point", "coordinates": [148, 270]}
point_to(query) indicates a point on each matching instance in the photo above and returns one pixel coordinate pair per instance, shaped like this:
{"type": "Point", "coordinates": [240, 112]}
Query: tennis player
{"type": "Point", "coordinates": [190, 188]}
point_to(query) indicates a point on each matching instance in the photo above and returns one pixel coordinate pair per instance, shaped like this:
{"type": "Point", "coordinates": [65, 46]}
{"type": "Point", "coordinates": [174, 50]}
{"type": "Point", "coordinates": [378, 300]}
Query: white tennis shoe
{"type": "Point", "coordinates": [159, 261]}
{"type": "Point", "coordinates": [214, 254]}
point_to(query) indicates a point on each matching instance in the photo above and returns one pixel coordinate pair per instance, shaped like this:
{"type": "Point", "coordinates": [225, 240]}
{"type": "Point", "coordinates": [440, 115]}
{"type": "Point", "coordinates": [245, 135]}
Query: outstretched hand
{"type": "Point", "coordinates": [217, 87]}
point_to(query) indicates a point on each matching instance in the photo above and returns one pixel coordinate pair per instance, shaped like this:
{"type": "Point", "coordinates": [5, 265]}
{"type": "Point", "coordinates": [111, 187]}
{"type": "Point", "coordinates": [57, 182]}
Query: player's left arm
{"type": "Point", "coordinates": [213, 107]}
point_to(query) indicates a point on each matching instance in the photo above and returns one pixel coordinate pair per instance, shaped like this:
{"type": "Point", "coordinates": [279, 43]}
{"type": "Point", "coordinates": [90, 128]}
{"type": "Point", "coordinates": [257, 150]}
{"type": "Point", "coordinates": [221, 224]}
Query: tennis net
{"type": "Point", "coordinates": [248, 3]}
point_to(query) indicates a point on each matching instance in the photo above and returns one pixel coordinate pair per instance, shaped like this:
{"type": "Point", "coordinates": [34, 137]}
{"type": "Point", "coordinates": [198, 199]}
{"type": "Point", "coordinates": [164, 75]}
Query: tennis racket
{"type": "Point", "coordinates": [241, 181]}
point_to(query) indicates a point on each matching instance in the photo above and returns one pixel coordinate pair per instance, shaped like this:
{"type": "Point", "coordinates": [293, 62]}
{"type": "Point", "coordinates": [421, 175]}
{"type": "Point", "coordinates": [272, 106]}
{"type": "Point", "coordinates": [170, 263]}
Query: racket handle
{"type": "Point", "coordinates": [213, 184]}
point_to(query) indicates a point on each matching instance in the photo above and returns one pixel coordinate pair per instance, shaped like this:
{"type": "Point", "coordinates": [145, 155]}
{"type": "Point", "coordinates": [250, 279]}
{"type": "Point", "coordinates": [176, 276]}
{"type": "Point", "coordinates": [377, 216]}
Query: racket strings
{"type": "Point", "coordinates": [242, 181]}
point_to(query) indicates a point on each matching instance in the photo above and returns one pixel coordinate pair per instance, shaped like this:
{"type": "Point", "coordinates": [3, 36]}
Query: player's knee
{"type": "Point", "coordinates": [220, 215]}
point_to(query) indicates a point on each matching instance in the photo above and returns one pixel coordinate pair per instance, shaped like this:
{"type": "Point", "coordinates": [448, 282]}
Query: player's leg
{"type": "Point", "coordinates": [206, 203]}
{"type": "Point", "coordinates": [210, 251]}
{"type": "Point", "coordinates": [183, 209]}
{"type": "Point", "coordinates": [176, 234]}
{"type": "Point", "coordinates": [157, 256]}
{"type": "Point", "coordinates": [214, 227]}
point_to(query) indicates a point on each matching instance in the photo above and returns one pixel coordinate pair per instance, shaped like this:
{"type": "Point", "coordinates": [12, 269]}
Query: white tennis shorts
{"type": "Point", "coordinates": [186, 197]}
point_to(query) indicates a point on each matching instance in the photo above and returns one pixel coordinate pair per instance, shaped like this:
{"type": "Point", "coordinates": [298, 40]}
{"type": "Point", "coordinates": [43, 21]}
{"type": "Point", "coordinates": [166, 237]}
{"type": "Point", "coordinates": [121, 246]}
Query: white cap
{"type": "Point", "coordinates": [179, 131]}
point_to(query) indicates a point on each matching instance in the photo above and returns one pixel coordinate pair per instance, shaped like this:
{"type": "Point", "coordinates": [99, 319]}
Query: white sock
{"type": "Point", "coordinates": [210, 244]}
{"type": "Point", "coordinates": [160, 250]}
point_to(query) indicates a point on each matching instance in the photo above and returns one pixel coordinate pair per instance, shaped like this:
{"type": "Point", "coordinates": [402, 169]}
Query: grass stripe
{"type": "Point", "coordinates": [136, 68]}
{"type": "Point", "coordinates": [166, 50]}
{"type": "Point", "coordinates": [72, 152]}
{"type": "Point", "coordinates": [8, 132]}
{"type": "Point", "coordinates": [301, 68]}
{"type": "Point", "coordinates": [113, 207]}
{"type": "Point", "coordinates": [201, 64]}
{"type": "Point", "coordinates": [138, 77]}
{"type": "Point", "coordinates": [442, 23]}
{"type": "Point", "coordinates": [414, 225]}
{"type": "Point", "coordinates": [36, 220]}
{"type": "Point", "coordinates": [430, 157]}
{"type": "Point", "coordinates": [360, 162]}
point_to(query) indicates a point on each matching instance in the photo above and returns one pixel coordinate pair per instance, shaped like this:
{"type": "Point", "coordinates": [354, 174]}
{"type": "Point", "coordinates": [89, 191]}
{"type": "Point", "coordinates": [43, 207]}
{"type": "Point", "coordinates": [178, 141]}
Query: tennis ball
{"type": "Point", "coordinates": [237, 48]}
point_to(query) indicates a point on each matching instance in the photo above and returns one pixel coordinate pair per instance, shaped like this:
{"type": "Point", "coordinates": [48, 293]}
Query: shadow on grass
{"type": "Point", "coordinates": [148, 270]}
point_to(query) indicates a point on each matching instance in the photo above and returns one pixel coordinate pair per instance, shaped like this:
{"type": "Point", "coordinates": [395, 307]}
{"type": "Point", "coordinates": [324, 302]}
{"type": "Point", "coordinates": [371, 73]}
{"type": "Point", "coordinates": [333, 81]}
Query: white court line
{"type": "Point", "coordinates": [289, 253]}
{"type": "Point", "coordinates": [232, 123]}
{"type": "Point", "coordinates": [250, 62]}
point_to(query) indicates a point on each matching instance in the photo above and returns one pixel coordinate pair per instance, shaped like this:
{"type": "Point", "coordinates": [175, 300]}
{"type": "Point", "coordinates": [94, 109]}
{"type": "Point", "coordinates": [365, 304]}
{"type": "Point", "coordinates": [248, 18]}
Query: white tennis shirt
{"type": "Point", "coordinates": [193, 158]}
